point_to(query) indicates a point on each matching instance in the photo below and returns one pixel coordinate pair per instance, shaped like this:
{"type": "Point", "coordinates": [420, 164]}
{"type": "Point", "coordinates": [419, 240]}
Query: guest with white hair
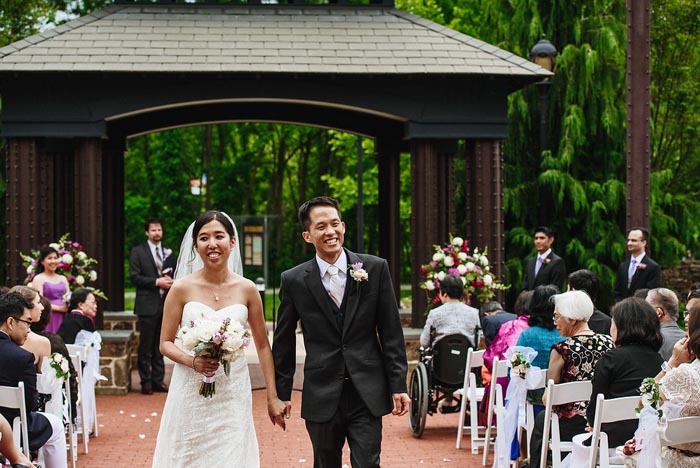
{"type": "Point", "coordinates": [571, 360]}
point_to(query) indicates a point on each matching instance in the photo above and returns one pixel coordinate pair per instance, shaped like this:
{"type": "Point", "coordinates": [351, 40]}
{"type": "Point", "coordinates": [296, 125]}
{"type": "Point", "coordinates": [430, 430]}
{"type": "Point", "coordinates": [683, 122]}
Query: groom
{"type": "Point", "coordinates": [355, 369]}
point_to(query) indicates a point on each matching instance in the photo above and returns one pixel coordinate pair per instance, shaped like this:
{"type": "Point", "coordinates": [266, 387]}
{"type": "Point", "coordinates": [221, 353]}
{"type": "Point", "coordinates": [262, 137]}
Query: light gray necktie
{"type": "Point", "coordinates": [630, 273]}
{"type": "Point", "coordinates": [538, 265]}
{"type": "Point", "coordinates": [335, 289]}
{"type": "Point", "coordinates": [159, 261]}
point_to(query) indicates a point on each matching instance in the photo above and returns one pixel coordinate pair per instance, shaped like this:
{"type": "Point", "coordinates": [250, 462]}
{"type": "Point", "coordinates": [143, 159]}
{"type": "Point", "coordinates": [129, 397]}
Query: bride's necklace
{"type": "Point", "coordinates": [217, 291]}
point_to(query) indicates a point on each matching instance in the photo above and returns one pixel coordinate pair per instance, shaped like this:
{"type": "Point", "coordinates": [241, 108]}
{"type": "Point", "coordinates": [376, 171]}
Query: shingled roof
{"type": "Point", "coordinates": [265, 38]}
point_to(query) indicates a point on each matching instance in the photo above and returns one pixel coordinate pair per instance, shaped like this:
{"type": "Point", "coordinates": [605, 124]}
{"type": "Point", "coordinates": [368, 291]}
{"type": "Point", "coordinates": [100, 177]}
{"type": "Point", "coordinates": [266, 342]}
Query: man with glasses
{"type": "Point", "coordinates": [665, 302]}
{"type": "Point", "coordinates": [17, 365]}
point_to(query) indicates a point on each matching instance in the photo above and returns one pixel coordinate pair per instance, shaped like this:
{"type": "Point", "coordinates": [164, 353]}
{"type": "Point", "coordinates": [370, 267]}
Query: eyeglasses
{"type": "Point", "coordinates": [556, 317]}
{"type": "Point", "coordinates": [27, 322]}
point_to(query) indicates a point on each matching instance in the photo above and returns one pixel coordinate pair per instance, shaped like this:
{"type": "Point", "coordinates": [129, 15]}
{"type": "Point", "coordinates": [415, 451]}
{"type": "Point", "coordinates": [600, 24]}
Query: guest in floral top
{"type": "Point", "coordinates": [453, 317]}
{"type": "Point", "coordinates": [573, 359]}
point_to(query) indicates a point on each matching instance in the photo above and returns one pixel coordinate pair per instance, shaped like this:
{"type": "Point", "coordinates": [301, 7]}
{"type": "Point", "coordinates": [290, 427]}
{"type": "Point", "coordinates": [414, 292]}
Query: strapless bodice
{"type": "Point", "coordinates": [194, 311]}
{"type": "Point", "coordinates": [54, 292]}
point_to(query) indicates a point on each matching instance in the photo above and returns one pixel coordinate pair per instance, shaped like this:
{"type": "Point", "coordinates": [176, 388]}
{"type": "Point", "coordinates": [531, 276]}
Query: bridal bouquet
{"type": "Point", "coordinates": [220, 339]}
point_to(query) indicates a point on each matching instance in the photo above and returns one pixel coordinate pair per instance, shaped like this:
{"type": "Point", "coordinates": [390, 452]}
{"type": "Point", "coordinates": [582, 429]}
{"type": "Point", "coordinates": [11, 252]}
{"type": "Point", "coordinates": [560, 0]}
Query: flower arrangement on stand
{"type": "Point", "coordinates": [456, 258]}
{"type": "Point", "coordinates": [74, 264]}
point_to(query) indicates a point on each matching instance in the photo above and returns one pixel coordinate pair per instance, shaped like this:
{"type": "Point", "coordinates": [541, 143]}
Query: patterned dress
{"type": "Point", "coordinates": [580, 354]}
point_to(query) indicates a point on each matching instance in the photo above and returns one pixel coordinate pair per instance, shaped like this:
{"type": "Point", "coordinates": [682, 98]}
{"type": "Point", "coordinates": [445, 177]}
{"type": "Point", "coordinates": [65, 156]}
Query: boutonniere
{"type": "Point", "coordinates": [641, 266]}
{"type": "Point", "coordinates": [546, 261]}
{"type": "Point", "coordinates": [358, 273]}
{"type": "Point", "coordinates": [166, 253]}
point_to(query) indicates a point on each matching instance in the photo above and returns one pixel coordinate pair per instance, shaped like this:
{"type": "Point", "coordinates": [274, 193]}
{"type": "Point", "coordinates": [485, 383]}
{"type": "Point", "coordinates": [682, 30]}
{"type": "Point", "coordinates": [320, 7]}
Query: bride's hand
{"type": "Point", "coordinates": [205, 366]}
{"type": "Point", "coordinates": [276, 409]}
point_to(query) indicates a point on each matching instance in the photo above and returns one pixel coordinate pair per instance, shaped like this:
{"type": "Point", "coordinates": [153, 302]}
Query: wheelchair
{"type": "Point", "coordinates": [438, 374]}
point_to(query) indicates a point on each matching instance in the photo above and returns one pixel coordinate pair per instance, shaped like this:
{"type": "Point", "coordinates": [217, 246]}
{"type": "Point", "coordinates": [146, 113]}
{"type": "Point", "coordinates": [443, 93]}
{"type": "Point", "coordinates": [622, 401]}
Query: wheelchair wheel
{"type": "Point", "coordinates": [419, 393]}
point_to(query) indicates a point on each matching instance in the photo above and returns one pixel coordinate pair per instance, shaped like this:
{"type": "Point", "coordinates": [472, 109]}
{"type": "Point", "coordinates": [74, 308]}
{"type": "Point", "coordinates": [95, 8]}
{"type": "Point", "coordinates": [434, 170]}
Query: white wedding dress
{"type": "Point", "coordinates": [213, 432]}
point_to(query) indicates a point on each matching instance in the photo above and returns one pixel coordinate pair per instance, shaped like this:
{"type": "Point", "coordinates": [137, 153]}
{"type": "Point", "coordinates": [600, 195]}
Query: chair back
{"type": "Point", "coordinates": [449, 359]}
{"type": "Point", "coordinates": [608, 411]}
{"type": "Point", "coordinates": [13, 398]}
{"type": "Point", "coordinates": [681, 431]}
{"type": "Point", "coordinates": [559, 394]}
{"type": "Point", "coordinates": [471, 395]}
{"type": "Point", "coordinates": [498, 370]}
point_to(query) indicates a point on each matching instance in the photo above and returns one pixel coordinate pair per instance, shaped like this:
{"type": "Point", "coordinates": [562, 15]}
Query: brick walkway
{"type": "Point", "coordinates": [129, 426]}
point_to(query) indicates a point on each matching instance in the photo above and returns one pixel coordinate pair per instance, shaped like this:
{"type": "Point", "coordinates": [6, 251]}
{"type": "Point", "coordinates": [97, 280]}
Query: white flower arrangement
{"type": "Point", "coordinates": [59, 364]}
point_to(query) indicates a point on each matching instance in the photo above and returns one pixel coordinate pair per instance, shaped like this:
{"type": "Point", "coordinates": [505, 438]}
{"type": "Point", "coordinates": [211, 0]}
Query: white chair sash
{"type": "Point", "coordinates": [516, 397]}
{"type": "Point", "coordinates": [49, 384]}
{"type": "Point", "coordinates": [91, 373]}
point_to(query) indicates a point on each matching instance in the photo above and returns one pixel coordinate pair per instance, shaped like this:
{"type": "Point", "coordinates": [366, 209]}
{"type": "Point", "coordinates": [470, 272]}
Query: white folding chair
{"type": "Point", "coordinates": [72, 436]}
{"type": "Point", "coordinates": [77, 360]}
{"type": "Point", "coordinates": [499, 370]}
{"type": "Point", "coordinates": [539, 383]}
{"type": "Point", "coordinates": [560, 394]}
{"type": "Point", "coordinates": [607, 411]}
{"type": "Point", "coordinates": [473, 394]}
{"type": "Point", "coordinates": [680, 431]}
{"type": "Point", "coordinates": [13, 398]}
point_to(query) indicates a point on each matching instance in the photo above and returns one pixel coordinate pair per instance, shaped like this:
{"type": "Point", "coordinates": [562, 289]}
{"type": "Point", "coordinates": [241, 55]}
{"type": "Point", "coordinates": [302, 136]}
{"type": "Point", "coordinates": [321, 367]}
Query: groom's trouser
{"type": "Point", "coordinates": [352, 420]}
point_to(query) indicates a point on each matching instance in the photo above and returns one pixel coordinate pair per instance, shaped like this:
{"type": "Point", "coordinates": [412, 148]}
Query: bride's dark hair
{"type": "Point", "coordinates": [208, 217]}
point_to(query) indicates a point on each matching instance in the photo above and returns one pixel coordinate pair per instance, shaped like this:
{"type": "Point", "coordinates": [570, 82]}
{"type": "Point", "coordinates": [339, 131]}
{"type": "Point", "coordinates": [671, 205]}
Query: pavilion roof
{"type": "Point", "coordinates": [259, 39]}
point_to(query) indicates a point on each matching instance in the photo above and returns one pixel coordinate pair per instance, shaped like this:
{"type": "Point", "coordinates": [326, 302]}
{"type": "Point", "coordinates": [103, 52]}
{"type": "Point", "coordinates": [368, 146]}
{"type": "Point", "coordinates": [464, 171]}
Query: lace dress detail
{"type": "Point", "coordinates": [211, 432]}
{"type": "Point", "coordinates": [682, 386]}
{"type": "Point", "coordinates": [580, 354]}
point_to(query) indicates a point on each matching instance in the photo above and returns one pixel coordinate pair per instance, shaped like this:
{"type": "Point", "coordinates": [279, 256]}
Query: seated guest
{"type": "Point", "coordinates": [542, 334]}
{"type": "Point", "coordinates": [17, 365]}
{"type": "Point", "coordinates": [507, 334]}
{"type": "Point", "coordinates": [619, 373]}
{"type": "Point", "coordinates": [586, 280]}
{"type": "Point", "coordinates": [665, 302]}
{"type": "Point", "coordinates": [57, 346]}
{"type": "Point", "coordinates": [35, 344]}
{"type": "Point", "coordinates": [452, 317]}
{"type": "Point", "coordinates": [570, 360]}
{"type": "Point", "coordinates": [494, 317]}
{"type": "Point", "coordinates": [8, 449]}
{"type": "Point", "coordinates": [679, 383]}
{"type": "Point", "coordinates": [81, 316]}
{"type": "Point", "coordinates": [641, 293]}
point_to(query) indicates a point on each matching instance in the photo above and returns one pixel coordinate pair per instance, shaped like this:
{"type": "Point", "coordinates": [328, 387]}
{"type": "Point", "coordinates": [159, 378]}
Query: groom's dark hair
{"type": "Point", "coordinates": [305, 209]}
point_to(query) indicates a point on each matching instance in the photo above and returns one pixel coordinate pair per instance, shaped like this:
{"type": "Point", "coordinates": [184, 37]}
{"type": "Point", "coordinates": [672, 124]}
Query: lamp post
{"type": "Point", "coordinates": [544, 54]}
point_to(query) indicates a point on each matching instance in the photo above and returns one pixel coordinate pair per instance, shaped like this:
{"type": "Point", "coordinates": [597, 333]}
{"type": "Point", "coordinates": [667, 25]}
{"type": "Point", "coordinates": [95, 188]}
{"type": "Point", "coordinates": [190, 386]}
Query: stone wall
{"type": "Point", "coordinates": [680, 278]}
{"type": "Point", "coordinates": [115, 362]}
{"type": "Point", "coordinates": [124, 320]}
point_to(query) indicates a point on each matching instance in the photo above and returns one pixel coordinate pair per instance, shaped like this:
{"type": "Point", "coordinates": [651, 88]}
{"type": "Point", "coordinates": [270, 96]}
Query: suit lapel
{"type": "Point", "coordinates": [352, 293]}
{"type": "Point", "coordinates": [318, 291]}
{"type": "Point", "coordinates": [149, 255]}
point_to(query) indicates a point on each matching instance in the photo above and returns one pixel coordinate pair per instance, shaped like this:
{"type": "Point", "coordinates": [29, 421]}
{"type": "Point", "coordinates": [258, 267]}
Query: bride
{"type": "Point", "coordinates": [199, 431]}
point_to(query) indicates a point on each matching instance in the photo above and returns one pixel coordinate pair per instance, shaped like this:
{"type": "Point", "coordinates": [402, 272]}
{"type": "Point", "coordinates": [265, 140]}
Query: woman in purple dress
{"type": "Point", "coordinates": [52, 286]}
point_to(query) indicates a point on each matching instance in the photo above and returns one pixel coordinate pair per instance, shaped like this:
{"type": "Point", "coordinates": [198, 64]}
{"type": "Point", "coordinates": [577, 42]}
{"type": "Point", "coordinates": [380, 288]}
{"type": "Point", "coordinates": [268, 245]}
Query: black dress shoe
{"type": "Point", "coordinates": [147, 388]}
{"type": "Point", "coordinates": [160, 388]}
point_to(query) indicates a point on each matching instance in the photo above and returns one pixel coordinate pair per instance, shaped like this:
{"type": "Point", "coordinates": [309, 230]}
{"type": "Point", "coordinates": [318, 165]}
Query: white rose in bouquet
{"type": "Point", "coordinates": [30, 269]}
{"type": "Point", "coordinates": [462, 269]}
{"type": "Point", "coordinates": [55, 246]}
{"type": "Point", "coordinates": [67, 259]}
{"type": "Point", "coordinates": [441, 276]}
{"type": "Point", "coordinates": [488, 280]}
{"type": "Point", "coordinates": [232, 343]}
{"type": "Point", "coordinates": [484, 261]}
{"type": "Point", "coordinates": [80, 280]}
{"type": "Point", "coordinates": [81, 255]}
{"type": "Point", "coordinates": [438, 256]}
{"type": "Point", "coordinates": [462, 256]}
{"type": "Point", "coordinates": [93, 275]}
{"type": "Point", "coordinates": [470, 266]}
{"type": "Point", "coordinates": [457, 241]}
{"type": "Point", "coordinates": [449, 261]}
{"type": "Point", "coordinates": [429, 285]}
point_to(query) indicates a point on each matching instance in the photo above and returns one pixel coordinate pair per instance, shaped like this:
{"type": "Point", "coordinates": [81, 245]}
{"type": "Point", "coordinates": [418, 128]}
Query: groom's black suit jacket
{"type": "Point", "coordinates": [553, 272]}
{"type": "Point", "coordinates": [369, 348]}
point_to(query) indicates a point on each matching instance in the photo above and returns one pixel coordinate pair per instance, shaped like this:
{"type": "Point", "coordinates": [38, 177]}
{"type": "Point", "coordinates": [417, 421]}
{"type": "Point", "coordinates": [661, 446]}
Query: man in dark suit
{"type": "Point", "coordinates": [639, 271]}
{"type": "Point", "coordinates": [586, 280]}
{"type": "Point", "coordinates": [355, 369]}
{"type": "Point", "coordinates": [547, 267]}
{"type": "Point", "coordinates": [152, 280]}
{"type": "Point", "coordinates": [17, 365]}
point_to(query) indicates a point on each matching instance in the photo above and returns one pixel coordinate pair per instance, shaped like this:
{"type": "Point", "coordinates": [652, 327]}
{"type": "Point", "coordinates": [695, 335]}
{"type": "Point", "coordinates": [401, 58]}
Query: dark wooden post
{"type": "Point", "coordinates": [29, 208]}
{"type": "Point", "coordinates": [424, 219]}
{"type": "Point", "coordinates": [113, 220]}
{"type": "Point", "coordinates": [88, 191]}
{"type": "Point", "coordinates": [388, 160]}
{"type": "Point", "coordinates": [484, 197]}
{"type": "Point", "coordinates": [445, 190]}
{"type": "Point", "coordinates": [638, 113]}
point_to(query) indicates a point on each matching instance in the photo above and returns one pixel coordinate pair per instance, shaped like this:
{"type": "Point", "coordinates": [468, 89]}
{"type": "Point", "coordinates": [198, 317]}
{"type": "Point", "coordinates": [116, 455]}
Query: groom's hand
{"type": "Point", "coordinates": [401, 404]}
